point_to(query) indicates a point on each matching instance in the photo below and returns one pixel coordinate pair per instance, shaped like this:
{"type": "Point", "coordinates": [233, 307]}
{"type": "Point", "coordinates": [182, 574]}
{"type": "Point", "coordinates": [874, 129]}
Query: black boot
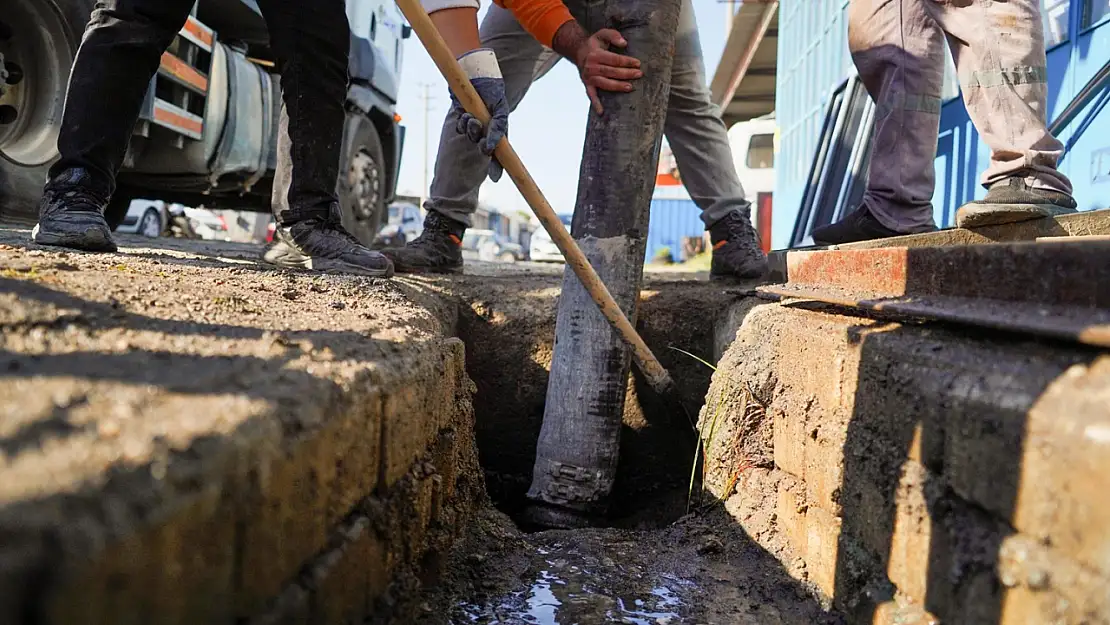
{"type": "Point", "coordinates": [736, 251]}
{"type": "Point", "coordinates": [71, 215]}
{"type": "Point", "coordinates": [323, 244]}
{"type": "Point", "coordinates": [437, 250]}
{"type": "Point", "coordinates": [858, 225]}
{"type": "Point", "coordinates": [1013, 200]}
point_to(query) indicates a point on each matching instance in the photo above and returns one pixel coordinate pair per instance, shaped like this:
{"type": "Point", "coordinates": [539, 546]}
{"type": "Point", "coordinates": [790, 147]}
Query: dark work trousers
{"type": "Point", "coordinates": [121, 50]}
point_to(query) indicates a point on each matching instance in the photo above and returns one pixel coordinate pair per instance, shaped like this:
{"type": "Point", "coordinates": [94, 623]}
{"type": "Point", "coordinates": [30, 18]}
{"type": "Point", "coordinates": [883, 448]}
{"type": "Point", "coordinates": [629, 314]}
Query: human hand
{"type": "Point", "coordinates": [602, 69]}
{"type": "Point", "coordinates": [485, 76]}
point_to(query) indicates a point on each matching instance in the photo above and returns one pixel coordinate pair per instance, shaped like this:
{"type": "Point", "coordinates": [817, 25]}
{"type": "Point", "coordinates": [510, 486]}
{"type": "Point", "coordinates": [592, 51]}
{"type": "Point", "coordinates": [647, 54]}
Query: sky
{"type": "Point", "coordinates": [547, 133]}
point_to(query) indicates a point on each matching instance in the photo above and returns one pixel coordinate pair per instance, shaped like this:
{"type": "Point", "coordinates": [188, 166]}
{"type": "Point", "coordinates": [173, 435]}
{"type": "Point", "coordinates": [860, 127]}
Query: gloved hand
{"type": "Point", "coordinates": [485, 76]}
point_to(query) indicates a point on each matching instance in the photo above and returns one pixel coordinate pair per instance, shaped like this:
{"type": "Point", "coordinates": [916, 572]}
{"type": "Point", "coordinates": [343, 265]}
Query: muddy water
{"type": "Point", "coordinates": [564, 585]}
{"type": "Point", "coordinates": [702, 570]}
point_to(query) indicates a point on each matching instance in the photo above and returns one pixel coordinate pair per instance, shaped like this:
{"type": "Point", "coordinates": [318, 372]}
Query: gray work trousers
{"type": "Point", "coordinates": [693, 127]}
{"type": "Point", "coordinates": [998, 47]}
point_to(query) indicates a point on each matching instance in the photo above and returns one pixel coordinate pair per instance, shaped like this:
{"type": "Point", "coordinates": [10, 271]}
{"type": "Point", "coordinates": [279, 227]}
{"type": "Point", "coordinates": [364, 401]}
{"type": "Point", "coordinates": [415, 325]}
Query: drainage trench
{"type": "Point", "coordinates": [509, 332]}
{"type": "Point", "coordinates": [666, 553]}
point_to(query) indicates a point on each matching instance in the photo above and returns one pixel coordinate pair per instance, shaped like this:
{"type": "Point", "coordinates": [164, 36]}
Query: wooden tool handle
{"type": "Point", "coordinates": [459, 83]}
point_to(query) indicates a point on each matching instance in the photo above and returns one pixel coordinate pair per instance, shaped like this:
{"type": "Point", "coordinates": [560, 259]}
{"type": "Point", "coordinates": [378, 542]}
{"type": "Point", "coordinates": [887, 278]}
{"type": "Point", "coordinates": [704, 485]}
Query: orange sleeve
{"type": "Point", "coordinates": [541, 18]}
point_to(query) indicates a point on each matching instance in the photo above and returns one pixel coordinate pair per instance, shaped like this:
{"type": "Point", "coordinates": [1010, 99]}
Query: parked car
{"type": "Point", "coordinates": [145, 217]}
{"type": "Point", "coordinates": [403, 224]}
{"type": "Point", "coordinates": [490, 246]}
{"type": "Point", "coordinates": [543, 249]}
{"type": "Point", "coordinates": [197, 223]}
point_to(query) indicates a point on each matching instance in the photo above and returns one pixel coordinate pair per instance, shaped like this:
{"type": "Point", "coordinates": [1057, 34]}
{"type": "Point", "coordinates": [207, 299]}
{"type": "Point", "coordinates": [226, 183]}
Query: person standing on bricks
{"type": "Point", "coordinates": [999, 50]}
{"type": "Point", "coordinates": [119, 54]}
{"type": "Point", "coordinates": [528, 37]}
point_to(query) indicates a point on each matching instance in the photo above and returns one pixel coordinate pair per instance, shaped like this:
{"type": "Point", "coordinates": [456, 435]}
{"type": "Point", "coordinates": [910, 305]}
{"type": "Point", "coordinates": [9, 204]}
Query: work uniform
{"type": "Point", "coordinates": [693, 126]}
{"type": "Point", "coordinates": [998, 47]}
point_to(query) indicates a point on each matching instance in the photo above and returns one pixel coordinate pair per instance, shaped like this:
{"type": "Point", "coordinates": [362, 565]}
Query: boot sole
{"type": "Point", "coordinates": [332, 266]}
{"type": "Point", "coordinates": [91, 240]}
{"type": "Point", "coordinates": [425, 270]}
{"type": "Point", "coordinates": [980, 215]}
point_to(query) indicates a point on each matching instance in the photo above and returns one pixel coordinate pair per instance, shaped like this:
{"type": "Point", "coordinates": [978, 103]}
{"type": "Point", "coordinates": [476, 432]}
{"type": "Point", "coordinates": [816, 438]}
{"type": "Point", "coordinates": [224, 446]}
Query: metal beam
{"type": "Point", "coordinates": [770, 11]}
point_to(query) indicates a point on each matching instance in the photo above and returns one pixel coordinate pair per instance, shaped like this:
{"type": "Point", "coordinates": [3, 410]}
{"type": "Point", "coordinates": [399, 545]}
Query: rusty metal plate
{"type": "Point", "coordinates": [1089, 326]}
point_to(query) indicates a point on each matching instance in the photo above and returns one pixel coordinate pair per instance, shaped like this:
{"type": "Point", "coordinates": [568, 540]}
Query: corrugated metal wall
{"type": "Point", "coordinates": [813, 59]}
{"type": "Point", "coordinates": [671, 221]}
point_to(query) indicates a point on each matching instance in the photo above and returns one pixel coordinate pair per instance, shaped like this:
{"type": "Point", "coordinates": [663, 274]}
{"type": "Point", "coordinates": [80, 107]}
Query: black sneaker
{"type": "Point", "coordinates": [858, 225]}
{"type": "Point", "coordinates": [71, 215]}
{"type": "Point", "coordinates": [1013, 200]}
{"type": "Point", "coordinates": [736, 250]}
{"type": "Point", "coordinates": [437, 250]}
{"type": "Point", "coordinates": [325, 245]}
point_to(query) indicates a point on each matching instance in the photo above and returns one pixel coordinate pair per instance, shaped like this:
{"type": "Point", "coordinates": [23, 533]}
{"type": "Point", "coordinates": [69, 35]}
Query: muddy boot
{"type": "Point", "coordinates": [1013, 200]}
{"type": "Point", "coordinates": [736, 251]}
{"type": "Point", "coordinates": [323, 244]}
{"type": "Point", "coordinates": [71, 215]}
{"type": "Point", "coordinates": [437, 250]}
{"type": "Point", "coordinates": [858, 225]}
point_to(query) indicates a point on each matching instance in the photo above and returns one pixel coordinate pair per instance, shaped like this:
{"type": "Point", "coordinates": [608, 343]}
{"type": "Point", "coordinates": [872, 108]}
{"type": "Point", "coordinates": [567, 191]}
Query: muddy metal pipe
{"type": "Point", "coordinates": [577, 453]}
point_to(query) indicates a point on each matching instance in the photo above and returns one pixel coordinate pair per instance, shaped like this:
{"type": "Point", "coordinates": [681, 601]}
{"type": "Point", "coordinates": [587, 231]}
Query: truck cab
{"type": "Point", "coordinates": [207, 131]}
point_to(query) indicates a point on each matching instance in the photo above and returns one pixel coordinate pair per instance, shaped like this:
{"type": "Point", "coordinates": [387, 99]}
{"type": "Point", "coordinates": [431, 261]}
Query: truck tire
{"type": "Point", "coordinates": [38, 41]}
{"type": "Point", "coordinates": [362, 178]}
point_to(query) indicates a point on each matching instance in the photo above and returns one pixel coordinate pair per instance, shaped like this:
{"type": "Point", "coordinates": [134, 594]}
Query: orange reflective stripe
{"type": "Point", "coordinates": [456, 240]}
{"type": "Point", "coordinates": [182, 71]}
{"type": "Point", "coordinates": [180, 121]}
{"type": "Point", "coordinates": [719, 244]}
{"type": "Point", "coordinates": [201, 33]}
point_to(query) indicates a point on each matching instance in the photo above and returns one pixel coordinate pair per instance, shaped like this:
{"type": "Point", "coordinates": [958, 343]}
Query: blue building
{"type": "Point", "coordinates": [809, 42]}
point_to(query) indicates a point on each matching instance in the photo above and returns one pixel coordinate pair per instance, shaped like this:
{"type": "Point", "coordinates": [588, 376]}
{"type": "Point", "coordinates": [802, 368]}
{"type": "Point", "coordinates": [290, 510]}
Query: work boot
{"type": "Point", "coordinates": [858, 225]}
{"type": "Point", "coordinates": [1013, 200]}
{"type": "Point", "coordinates": [437, 250]}
{"type": "Point", "coordinates": [323, 244]}
{"type": "Point", "coordinates": [72, 215]}
{"type": "Point", "coordinates": [736, 250]}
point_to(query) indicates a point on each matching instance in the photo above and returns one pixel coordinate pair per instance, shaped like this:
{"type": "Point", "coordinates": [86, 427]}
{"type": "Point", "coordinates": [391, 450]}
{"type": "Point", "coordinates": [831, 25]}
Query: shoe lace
{"type": "Point", "coordinates": [77, 199]}
{"type": "Point", "coordinates": [333, 224]}
{"type": "Point", "coordinates": [434, 234]}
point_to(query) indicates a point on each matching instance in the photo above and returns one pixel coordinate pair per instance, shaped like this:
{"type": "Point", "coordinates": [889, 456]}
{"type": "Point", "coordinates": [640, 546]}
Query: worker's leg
{"type": "Point", "coordinates": [1000, 55]}
{"type": "Point", "coordinates": [696, 133]}
{"type": "Point", "coordinates": [898, 50]}
{"type": "Point", "coordinates": [119, 53]}
{"type": "Point", "coordinates": [460, 166]}
{"type": "Point", "coordinates": [699, 140]}
{"type": "Point", "coordinates": [310, 40]}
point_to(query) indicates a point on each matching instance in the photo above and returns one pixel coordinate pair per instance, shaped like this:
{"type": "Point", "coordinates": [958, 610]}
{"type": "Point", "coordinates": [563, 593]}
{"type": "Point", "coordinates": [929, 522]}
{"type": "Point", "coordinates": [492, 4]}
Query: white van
{"type": "Point", "coordinates": [753, 155]}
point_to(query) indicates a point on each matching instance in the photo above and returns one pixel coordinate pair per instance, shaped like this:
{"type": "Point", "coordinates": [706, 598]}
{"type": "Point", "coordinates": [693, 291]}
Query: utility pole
{"type": "Point", "coordinates": [576, 456]}
{"type": "Point", "coordinates": [427, 98]}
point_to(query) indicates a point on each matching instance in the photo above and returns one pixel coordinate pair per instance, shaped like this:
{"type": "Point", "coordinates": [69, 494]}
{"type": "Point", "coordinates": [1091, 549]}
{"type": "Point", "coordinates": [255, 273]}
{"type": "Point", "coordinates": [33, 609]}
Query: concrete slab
{"type": "Point", "coordinates": [940, 471]}
{"type": "Point", "coordinates": [1084, 224]}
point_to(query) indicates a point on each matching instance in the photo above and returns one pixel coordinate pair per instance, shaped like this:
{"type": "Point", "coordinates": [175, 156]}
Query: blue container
{"type": "Point", "coordinates": [671, 221]}
{"type": "Point", "coordinates": [814, 59]}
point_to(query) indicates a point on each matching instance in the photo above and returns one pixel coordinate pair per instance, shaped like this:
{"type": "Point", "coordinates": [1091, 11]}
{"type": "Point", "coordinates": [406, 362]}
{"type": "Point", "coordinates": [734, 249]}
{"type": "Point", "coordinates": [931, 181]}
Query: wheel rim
{"type": "Point", "coordinates": [364, 177]}
{"type": "Point", "coordinates": [35, 54]}
{"type": "Point", "coordinates": [150, 225]}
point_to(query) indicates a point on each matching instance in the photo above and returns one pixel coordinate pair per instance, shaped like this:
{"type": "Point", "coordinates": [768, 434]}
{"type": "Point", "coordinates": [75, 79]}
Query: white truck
{"type": "Point", "coordinates": [753, 155]}
{"type": "Point", "coordinates": [208, 128]}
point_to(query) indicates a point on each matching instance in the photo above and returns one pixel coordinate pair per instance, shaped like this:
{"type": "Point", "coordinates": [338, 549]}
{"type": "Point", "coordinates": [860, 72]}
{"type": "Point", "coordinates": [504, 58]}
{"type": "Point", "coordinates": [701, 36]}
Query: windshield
{"type": "Point", "coordinates": [394, 212]}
